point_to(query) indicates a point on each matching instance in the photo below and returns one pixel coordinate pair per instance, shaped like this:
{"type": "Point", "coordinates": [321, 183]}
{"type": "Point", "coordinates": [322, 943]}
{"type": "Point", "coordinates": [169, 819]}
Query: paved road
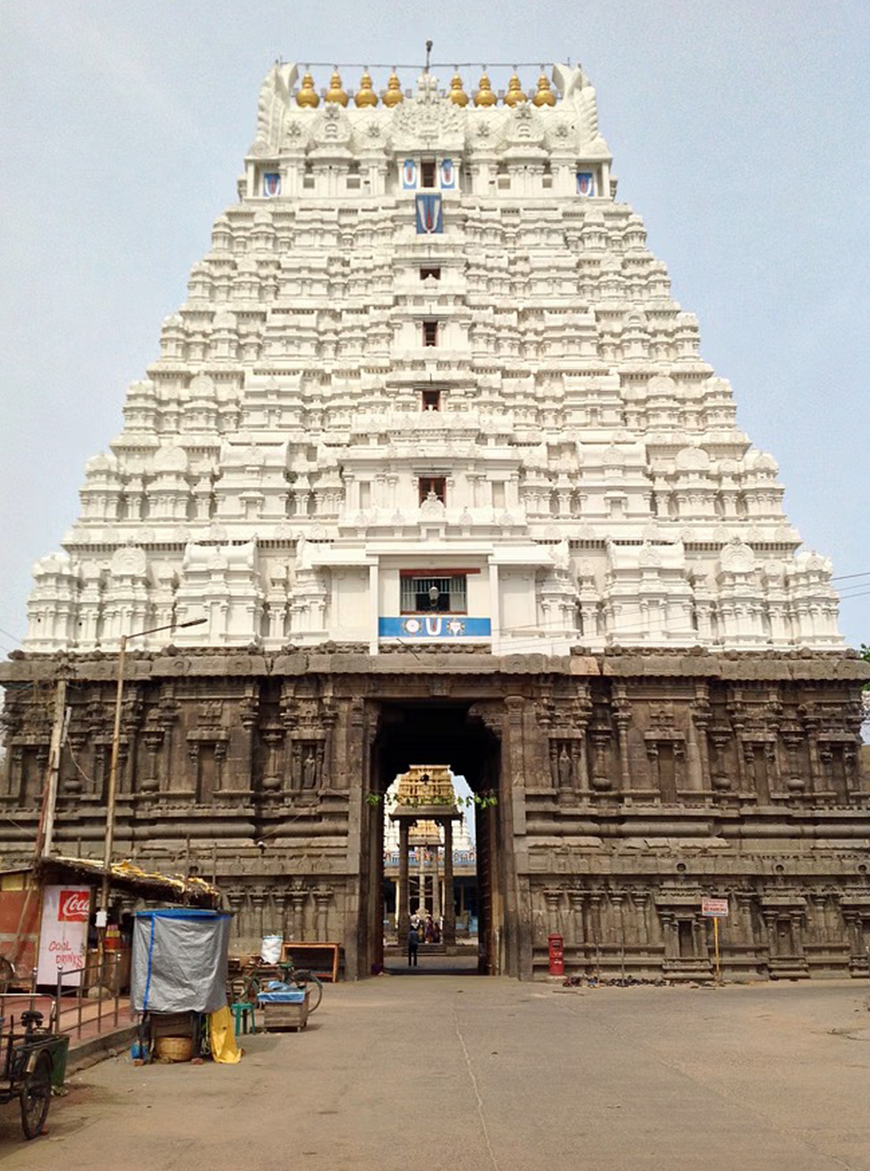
{"type": "Point", "coordinates": [470, 1074]}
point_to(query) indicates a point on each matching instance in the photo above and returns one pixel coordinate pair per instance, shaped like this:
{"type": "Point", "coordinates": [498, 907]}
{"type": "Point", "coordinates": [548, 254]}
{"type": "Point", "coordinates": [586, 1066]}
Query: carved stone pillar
{"type": "Point", "coordinates": [552, 897]}
{"type": "Point", "coordinates": [595, 898]}
{"type": "Point", "coordinates": [582, 764]}
{"type": "Point", "coordinates": [236, 899]}
{"type": "Point", "coordinates": [577, 899]}
{"type": "Point", "coordinates": [622, 716]}
{"type": "Point", "coordinates": [403, 915]}
{"type": "Point", "coordinates": [322, 897]}
{"type": "Point", "coordinates": [421, 881]}
{"type": "Point", "coordinates": [720, 738]}
{"type": "Point", "coordinates": [600, 780]}
{"type": "Point", "coordinates": [699, 934]}
{"type": "Point", "coordinates": [794, 781]}
{"type": "Point", "coordinates": [72, 781]}
{"type": "Point", "coordinates": [272, 738]}
{"type": "Point", "coordinates": [670, 931]}
{"type": "Point", "coordinates": [770, 926]}
{"type": "Point", "coordinates": [436, 884]}
{"type": "Point", "coordinates": [153, 738]}
{"type": "Point", "coordinates": [745, 925]}
{"type": "Point", "coordinates": [816, 772]}
{"type": "Point", "coordinates": [700, 717]}
{"type": "Point", "coordinates": [258, 901]}
{"type": "Point", "coordinates": [449, 898]}
{"type": "Point", "coordinates": [617, 903]}
{"type": "Point", "coordinates": [248, 711]}
{"type": "Point", "coordinates": [297, 897]}
{"type": "Point", "coordinates": [639, 905]}
{"type": "Point", "coordinates": [853, 934]}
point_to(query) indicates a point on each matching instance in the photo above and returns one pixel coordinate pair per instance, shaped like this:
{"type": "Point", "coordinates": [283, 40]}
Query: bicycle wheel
{"type": "Point", "coordinates": [313, 984]}
{"type": "Point", "coordinates": [251, 988]}
{"type": "Point", "coordinates": [36, 1097]}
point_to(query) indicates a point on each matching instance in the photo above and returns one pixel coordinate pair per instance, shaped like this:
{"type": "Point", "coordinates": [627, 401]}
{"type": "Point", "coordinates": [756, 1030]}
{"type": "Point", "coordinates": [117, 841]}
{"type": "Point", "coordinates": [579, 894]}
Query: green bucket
{"type": "Point", "coordinates": [58, 1047]}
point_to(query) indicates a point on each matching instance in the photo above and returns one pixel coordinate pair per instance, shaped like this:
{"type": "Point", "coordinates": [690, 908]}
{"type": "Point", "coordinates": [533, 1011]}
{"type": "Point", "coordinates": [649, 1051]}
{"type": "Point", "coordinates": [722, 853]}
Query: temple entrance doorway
{"type": "Point", "coordinates": [434, 841]}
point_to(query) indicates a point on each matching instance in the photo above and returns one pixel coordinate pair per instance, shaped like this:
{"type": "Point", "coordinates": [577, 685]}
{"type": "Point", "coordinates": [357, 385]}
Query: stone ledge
{"type": "Point", "coordinates": [652, 663]}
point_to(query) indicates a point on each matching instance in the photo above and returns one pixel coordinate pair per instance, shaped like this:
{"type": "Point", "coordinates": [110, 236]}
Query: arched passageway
{"type": "Point", "coordinates": [450, 735]}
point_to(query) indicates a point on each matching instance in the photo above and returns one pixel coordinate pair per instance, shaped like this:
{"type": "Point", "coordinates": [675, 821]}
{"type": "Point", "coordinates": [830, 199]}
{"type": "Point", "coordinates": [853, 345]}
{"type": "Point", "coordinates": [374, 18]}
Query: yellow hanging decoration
{"type": "Point", "coordinates": [307, 95]}
{"type": "Point", "coordinates": [484, 95]}
{"type": "Point", "coordinates": [456, 93]}
{"type": "Point", "coordinates": [544, 96]}
{"type": "Point", "coordinates": [394, 93]}
{"type": "Point", "coordinates": [515, 95]}
{"type": "Point", "coordinates": [335, 93]}
{"type": "Point", "coordinates": [365, 95]}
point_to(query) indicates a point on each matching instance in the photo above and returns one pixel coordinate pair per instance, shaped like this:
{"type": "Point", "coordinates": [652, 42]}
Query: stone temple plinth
{"type": "Point", "coordinates": [433, 453]}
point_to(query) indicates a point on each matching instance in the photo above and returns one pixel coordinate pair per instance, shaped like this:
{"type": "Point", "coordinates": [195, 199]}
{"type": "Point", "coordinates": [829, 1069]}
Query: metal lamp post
{"type": "Point", "coordinates": [113, 767]}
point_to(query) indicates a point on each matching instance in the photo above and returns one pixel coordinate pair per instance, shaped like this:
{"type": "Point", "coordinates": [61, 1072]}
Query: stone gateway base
{"type": "Point", "coordinates": [629, 786]}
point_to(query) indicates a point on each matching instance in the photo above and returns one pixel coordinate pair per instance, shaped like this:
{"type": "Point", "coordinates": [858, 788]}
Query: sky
{"type": "Point", "coordinates": [739, 131]}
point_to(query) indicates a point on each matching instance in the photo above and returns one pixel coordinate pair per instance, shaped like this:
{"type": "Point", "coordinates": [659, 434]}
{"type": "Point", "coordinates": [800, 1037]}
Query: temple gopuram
{"type": "Point", "coordinates": [429, 467]}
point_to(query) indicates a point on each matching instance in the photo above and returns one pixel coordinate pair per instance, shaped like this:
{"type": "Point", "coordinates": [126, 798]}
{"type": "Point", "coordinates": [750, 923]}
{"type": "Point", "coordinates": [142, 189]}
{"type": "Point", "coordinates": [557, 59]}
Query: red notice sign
{"type": "Point", "coordinates": [714, 908]}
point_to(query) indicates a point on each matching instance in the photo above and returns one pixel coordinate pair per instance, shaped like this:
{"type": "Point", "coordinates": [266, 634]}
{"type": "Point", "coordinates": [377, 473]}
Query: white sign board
{"type": "Point", "coordinates": [714, 908]}
{"type": "Point", "coordinates": [63, 934]}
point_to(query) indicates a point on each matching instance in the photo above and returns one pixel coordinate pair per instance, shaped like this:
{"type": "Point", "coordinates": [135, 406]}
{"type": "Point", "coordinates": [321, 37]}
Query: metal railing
{"type": "Point", "coordinates": [104, 974]}
{"type": "Point", "coordinates": [32, 1001]}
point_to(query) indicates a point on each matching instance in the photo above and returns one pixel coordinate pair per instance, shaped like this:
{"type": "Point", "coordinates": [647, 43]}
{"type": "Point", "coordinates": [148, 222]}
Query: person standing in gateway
{"type": "Point", "coordinates": [413, 944]}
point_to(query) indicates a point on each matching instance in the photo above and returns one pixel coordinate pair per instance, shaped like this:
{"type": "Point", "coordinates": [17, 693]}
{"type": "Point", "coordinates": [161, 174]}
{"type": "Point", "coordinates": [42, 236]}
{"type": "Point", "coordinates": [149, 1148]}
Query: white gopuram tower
{"type": "Point", "coordinates": [431, 457]}
{"type": "Point", "coordinates": [429, 385]}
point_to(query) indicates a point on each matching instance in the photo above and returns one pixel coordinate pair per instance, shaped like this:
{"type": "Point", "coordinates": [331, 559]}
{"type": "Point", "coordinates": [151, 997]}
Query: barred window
{"type": "Point", "coordinates": [419, 596]}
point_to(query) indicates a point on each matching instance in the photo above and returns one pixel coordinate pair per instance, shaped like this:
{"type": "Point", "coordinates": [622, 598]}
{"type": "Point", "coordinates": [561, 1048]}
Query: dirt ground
{"type": "Point", "coordinates": [473, 1074]}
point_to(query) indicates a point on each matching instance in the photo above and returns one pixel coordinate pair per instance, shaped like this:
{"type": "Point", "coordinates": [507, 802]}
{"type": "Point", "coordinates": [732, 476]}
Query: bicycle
{"type": "Point", "coordinates": [257, 976]}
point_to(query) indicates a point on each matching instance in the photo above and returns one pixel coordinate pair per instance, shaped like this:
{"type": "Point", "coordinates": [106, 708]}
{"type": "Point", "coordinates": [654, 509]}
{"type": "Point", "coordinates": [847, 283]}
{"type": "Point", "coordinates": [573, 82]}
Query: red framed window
{"type": "Point", "coordinates": [437, 485]}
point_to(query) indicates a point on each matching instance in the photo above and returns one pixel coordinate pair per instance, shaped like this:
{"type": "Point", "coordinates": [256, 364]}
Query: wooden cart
{"type": "Point", "coordinates": [283, 1015]}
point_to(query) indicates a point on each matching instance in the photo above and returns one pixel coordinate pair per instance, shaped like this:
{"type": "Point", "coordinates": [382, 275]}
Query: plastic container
{"type": "Point", "coordinates": [271, 948]}
{"type": "Point", "coordinates": [59, 1049]}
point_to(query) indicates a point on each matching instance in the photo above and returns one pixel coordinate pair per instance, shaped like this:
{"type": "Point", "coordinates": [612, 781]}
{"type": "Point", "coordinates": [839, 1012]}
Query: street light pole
{"type": "Point", "coordinates": [116, 744]}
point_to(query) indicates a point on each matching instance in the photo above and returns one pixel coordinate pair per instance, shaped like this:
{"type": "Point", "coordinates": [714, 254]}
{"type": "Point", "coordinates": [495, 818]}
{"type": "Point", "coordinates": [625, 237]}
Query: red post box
{"type": "Point", "coordinates": [557, 955]}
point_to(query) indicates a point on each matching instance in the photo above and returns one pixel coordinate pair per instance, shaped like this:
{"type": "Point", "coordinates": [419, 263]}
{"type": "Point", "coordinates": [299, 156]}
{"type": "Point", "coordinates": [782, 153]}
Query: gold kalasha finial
{"type": "Point", "coordinates": [484, 95]}
{"type": "Point", "coordinates": [335, 93]}
{"type": "Point", "coordinates": [544, 96]}
{"type": "Point", "coordinates": [394, 93]}
{"type": "Point", "coordinates": [456, 93]}
{"type": "Point", "coordinates": [515, 95]}
{"type": "Point", "coordinates": [307, 95]}
{"type": "Point", "coordinates": [365, 95]}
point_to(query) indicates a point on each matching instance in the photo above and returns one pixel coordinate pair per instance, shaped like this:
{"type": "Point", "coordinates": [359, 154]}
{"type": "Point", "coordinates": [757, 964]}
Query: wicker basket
{"type": "Point", "coordinates": [174, 1048]}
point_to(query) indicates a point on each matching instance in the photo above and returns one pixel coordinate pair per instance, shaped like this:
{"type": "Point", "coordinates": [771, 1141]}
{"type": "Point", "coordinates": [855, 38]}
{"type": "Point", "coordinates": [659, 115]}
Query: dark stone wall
{"type": "Point", "coordinates": [629, 786]}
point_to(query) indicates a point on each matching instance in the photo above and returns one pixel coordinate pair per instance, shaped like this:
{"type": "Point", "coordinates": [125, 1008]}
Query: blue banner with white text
{"type": "Point", "coordinates": [445, 626]}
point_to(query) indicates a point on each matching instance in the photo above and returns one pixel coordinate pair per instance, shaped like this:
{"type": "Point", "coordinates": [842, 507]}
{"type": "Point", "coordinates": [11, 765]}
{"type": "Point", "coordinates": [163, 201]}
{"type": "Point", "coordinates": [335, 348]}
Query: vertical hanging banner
{"type": "Point", "coordinates": [429, 215]}
{"type": "Point", "coordinates": [63, 935]}
{"type": "Point", "coordinates": [409, 174]}
{"type": "Point", "coordinates": [271, 183]}
{"type": "Point", "coordinates": [448, 174]}
{"type": "Point", "coordinates": [585, 183]}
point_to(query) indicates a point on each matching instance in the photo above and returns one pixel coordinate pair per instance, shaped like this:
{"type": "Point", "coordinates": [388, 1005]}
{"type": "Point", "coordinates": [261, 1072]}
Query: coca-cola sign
{"type": "Point", "coordinates": [63, 934]}
{"type": "Point", "coordinates": [74, 906]}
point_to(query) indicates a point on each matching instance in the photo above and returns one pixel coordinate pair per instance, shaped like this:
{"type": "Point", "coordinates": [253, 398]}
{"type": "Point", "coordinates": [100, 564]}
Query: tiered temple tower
{"type": "Point", "coordinates": [430, 439]}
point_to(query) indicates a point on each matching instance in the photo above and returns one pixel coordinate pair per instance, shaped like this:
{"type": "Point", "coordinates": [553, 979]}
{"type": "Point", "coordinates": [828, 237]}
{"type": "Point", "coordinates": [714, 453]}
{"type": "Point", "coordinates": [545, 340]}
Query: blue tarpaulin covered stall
{"type": "Point", "coordinates": [180, 960]}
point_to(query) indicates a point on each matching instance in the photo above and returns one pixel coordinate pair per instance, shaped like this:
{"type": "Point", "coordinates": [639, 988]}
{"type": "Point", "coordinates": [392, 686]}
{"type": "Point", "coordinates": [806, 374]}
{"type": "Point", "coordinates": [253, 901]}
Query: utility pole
{"type": "Point", "coordinates": [54, 750]}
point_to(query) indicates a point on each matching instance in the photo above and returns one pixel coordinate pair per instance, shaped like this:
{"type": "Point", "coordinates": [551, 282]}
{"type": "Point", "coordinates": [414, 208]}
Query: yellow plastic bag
{"type": "Point", "coordinates": [223, 1038]}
